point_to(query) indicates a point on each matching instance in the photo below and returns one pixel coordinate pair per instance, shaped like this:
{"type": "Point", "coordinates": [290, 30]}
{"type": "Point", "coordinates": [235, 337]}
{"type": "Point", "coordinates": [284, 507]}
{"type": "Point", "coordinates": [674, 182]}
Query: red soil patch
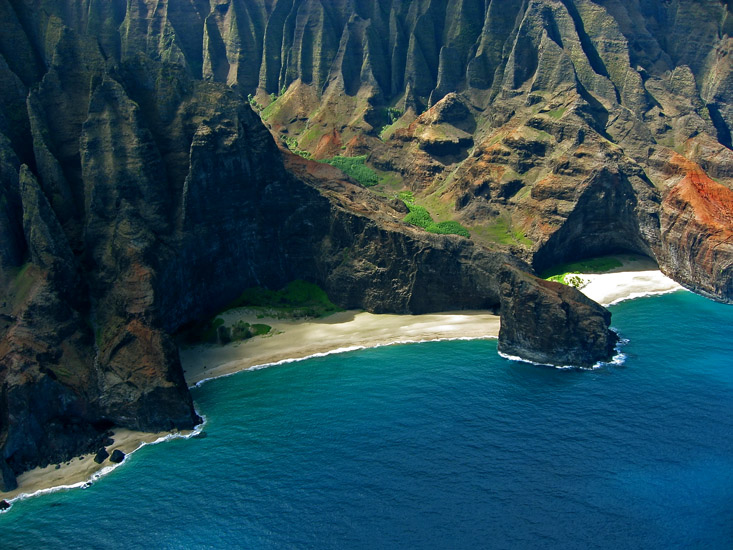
{"type": "Point", "coordinates": [329, 145]}
{"type": "Point", "coordinates": [711, 202]}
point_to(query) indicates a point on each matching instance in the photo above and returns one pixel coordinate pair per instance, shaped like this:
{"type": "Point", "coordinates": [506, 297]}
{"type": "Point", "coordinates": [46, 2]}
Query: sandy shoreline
{"type": "Point", "coordinates": [637, 277]}
{"type": "Point", "coordinates": [81, 470]}
{"type": "Point", "coordinates": [297, 339]}
{"type": "Point", "coordinates": [347, 330]}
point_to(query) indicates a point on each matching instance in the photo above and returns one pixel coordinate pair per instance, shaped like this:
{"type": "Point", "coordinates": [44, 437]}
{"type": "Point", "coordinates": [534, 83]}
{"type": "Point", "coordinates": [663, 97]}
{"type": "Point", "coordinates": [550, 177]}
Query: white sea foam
{"type": "Point", "coordinates": [637, 295]}
{"type": "Point", "coordinates": [530, 362]}
{"type": "Point", "coordinates": [338, 350]}
{"type": "Point", "coordinates": [618, 359]}
{"type": "Point", "coordinates": [107, 469]}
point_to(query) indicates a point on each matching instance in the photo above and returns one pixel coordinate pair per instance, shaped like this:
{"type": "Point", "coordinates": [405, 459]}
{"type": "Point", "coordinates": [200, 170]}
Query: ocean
{"type": "Point", "coordinates": [437, 445]}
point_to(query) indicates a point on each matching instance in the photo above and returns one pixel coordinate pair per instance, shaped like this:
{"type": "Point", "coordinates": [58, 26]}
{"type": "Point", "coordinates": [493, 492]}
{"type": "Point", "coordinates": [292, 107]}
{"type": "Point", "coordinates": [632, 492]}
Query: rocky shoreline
{"type": "Point", "coordinates": [300, 339]}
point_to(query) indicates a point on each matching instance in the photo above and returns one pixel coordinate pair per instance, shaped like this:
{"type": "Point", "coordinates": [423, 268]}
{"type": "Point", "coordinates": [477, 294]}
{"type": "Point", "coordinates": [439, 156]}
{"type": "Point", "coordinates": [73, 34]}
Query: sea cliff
{"type": "Point", "coordinates": [140, 191]}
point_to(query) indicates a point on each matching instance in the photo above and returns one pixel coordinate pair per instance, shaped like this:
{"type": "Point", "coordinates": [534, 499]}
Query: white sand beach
{"type": "Point", "coordinates": [296, 339]}
{"type": "Point", "coordinates": [637, 277]}
{"type": "Point", "coordinates": [346, 330]}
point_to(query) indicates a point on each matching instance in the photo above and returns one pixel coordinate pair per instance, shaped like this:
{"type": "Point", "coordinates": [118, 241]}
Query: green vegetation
{"type": "Point", "coordinates": [216, 332]}
{"type": "Point", "coordinates": [570, 273]}
{"type": "Point", "coordinates": [591, 265]}
{"type": "Point", "coordinates": [311, 136]}
{"type": "Point", "coordinates": [557, 113]}
{"type": "Point", "coordinates": [355, 168]}
{"type": "Point", "coordinates": [243, 331]}
{"type": "Point", "coordinates": [393, 114]}
{"type": "Point", "coordinates": [266, 112]}
{"type": "Point", "coordinates": [392, 122]}
{"type": "Point", "coordinates": [449, 228]}
{"type": "Point", "coordinates": [298, 299]}
{"type": "Point", "coordinates": [501, 231]}
{"type": "Point", "coordinates": [386, 131]}
{"type": "Point", "coordinates": [292, 145]}
{"type": "Point", "coordinates": [254, 103]}
{"type": "Point", "coordinates": [420, 217]}
{"type": "Point", "coordinates": [569, 279]}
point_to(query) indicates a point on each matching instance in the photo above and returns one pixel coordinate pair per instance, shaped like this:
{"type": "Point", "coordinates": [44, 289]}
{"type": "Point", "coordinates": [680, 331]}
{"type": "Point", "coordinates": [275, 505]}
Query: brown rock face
{"type": "Point", "coordinates": [697, 234]}
{"type": "Point", "coordinates": [552, 324]}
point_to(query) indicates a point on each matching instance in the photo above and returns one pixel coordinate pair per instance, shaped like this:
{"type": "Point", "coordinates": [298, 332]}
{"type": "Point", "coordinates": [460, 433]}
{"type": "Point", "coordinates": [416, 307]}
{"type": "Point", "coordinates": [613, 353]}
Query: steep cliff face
{"type": "Point", "coordinates": [567, 113]}
{"type": "Point", "coordinates": [547, 323]}
{"type": "Point", "coordinates": [560, 101]}
{"type": "Point", "coordinates": [697, 224]}
{"type": "Point", "coordinates": [135, 197]}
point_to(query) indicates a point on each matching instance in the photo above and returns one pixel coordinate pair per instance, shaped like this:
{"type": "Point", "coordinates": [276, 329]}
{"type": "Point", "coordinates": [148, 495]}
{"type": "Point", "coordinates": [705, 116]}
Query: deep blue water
{"type": "Point", "coordinates": [437, 445]}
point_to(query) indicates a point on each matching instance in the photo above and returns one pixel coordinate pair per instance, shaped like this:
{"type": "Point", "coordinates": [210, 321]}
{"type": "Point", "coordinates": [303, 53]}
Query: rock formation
{"type": "Point", "coordinates": [548, 323]}
{"type": "Point", "coordinates": [140, 192]}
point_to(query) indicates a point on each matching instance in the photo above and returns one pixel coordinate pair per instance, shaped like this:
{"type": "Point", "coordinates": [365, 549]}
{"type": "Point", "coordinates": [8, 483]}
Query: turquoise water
{"type": "Point", "coordinates": [437, 445]}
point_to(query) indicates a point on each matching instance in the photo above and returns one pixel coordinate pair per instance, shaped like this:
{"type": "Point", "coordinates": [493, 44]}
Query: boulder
{"type": "Point", "coordinates": [398, 205]}
{"type": "Point", "coordinates": [117, 456]}
{"type": "Point", "coordinates": [101, 455]}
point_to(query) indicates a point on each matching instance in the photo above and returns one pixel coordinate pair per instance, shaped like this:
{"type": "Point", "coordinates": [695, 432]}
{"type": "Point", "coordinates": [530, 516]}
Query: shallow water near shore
{"type": "Point", "coordinates": [437, 445]}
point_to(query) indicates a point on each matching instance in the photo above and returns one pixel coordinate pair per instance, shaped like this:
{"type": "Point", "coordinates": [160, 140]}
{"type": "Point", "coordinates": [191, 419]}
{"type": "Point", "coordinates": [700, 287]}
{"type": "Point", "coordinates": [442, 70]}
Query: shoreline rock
{"type": "Point", "coordinates": [117, 456]}
{"type": "Point", "coordinates": [550, 323]}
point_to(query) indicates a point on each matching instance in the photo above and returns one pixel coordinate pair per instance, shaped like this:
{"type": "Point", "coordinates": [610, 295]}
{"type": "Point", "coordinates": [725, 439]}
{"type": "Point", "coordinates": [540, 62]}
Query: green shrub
{"type": "Point", "coordinates": [355, 168]}
{"type": "Point", "coordinates": [408, 197]}
{"type": "Point", "coordinates": [393, 113]}
{"type": "Point", "coordinates": [255, 104]}
{"type": "Point", "coordinates": [299, 298]}
{"type": "Point", "coordinates": [292, 145]}
{"type": "Point", "coordinates": [244, 331]}
{"type": "Point", "coordinates": [420, 217]}
{"type": "Point", "coordinates": [449, 228]}
{"type": "Point", "coordinates": [569, 279]}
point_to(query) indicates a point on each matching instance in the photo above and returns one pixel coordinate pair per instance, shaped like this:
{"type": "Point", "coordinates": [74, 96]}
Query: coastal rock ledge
{"type": "Point", "coordinates": [552, 324]}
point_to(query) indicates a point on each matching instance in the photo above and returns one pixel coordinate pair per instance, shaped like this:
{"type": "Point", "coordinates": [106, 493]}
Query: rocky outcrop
{"type": "Point", "coordinates": [552, 324]}
{"type": "Point", "coordinates": [697, 233]}
{"type": "Point", "coordinates": [101, 455]}
{"type": "Point", "coordinates": [117, 456]}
